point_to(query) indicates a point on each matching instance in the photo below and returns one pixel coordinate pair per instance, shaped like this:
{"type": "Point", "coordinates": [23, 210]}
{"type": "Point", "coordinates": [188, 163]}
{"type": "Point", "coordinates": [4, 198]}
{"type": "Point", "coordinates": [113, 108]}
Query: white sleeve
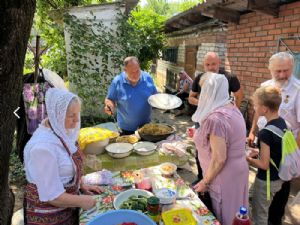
{"type": "Point", "coordinates": [43, 169]}
{"type": "Point", "coordinates": [267, 83]}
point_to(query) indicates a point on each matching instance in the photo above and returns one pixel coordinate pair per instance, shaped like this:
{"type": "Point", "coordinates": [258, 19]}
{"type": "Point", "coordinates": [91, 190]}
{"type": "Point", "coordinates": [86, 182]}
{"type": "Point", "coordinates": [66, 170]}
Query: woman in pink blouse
{"type": "Point", "coordinates": [220, 141]}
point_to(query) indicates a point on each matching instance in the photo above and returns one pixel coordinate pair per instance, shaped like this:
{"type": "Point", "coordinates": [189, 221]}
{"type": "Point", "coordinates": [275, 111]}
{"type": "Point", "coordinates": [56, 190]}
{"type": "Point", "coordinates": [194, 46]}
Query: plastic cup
{"type": "Point", "coordinates": [144, 184]}
{"type": "Point", "coordinates": [190, 132]}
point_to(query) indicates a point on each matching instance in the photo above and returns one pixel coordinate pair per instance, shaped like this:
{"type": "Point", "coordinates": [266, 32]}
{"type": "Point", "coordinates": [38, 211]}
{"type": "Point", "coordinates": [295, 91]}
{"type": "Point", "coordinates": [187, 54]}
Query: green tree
{"type": "Point", "coordinates": [161, 7]}
{"type": "Point", "coordinates": [97, 51]}
{"type": "Point", "coordinates": [183, 5]}
{"type": "Point", "coordinates": [170, 8]}
{"type": "Point", "coordinates": [52, 34]}
{"type": "Point", "coordinates": [147, 26]}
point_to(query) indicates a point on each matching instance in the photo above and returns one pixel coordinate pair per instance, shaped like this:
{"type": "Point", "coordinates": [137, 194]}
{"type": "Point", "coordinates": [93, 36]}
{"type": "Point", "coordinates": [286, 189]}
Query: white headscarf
{"type": "Point", "coordinates": [214, 94]}
{"type": "Point", "coordinates": [57, 102]}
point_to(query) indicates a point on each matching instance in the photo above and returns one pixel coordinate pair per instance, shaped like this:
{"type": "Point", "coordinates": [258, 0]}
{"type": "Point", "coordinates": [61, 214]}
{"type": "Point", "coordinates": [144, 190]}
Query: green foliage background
{"type": "Point", "coordinates": [52, 33]}
{"type": "Point", "coordinates": [139, 34]}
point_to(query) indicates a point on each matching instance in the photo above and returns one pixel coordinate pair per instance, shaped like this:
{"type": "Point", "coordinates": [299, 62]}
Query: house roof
{"type": "Point", "coordinates": [223, 10]}
{"type": "Point", "coordinates": [128, 5]}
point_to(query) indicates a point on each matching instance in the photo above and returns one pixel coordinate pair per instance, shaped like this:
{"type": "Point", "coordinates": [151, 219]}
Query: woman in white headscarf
{"type": "Point", "coordinates": [53, 165]}
{"type": "Point", "coordinates": [220, 142]}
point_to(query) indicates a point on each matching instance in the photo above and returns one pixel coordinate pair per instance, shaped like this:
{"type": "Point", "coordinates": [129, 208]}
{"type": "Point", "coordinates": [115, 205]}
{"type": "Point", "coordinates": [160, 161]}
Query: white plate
{"type": "Point", "coordinates": [164, 101]}
{"type": "Point", "coordinates": [123, 196]}
{"type": "Point", "coordinates": [144, 147]}
{"type": "Point", "coordinates": [119, 150]}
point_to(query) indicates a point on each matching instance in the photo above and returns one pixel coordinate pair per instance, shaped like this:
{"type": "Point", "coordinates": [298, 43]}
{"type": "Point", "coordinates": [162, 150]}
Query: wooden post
{"type": "Point", "coordinates": [37, 59]}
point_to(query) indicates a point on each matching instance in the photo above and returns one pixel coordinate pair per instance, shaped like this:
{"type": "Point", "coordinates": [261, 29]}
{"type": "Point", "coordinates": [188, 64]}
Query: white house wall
{"type": "Point", "coordinates": [107, 14]}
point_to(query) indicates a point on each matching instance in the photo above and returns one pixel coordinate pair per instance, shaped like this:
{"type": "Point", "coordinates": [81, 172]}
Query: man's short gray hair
{"type": "Point", "coordinates": [281, 56]}
{"type": "Point", "coordinates": [130, 59]}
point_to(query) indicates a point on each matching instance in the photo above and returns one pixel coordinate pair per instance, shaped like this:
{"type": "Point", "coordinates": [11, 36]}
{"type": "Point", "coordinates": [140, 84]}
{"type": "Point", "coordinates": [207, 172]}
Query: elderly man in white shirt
{"type": "Point", "coordinates": [281, 68]}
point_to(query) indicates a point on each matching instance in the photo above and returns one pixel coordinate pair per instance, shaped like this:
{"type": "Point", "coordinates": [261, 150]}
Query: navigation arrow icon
{"type": "Point", "coordinates": [15, 112]}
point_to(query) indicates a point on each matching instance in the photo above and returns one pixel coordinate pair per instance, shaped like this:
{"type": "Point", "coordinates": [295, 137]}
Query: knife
{"type": "Point", "coordinates": [115, 120]}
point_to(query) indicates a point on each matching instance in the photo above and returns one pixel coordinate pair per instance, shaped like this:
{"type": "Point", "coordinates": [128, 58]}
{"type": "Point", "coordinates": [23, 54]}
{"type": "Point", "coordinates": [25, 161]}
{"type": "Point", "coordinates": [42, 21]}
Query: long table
{"type": "Point", "coordinates": [125, 180]}
{"type": "Point", "coordinates": [132, 162]}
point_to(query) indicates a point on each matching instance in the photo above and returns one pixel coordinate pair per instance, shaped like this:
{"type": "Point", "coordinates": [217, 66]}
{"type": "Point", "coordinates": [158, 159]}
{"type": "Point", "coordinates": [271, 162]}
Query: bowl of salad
{"type": "Point", "coordinates": [121, 217]}
{"type": "Point", "coordinates": [133, 199]}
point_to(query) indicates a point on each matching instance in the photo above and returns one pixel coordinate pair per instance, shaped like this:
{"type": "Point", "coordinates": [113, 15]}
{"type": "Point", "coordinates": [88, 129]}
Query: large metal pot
{"type": "Point", "coordinates": [152, 137]}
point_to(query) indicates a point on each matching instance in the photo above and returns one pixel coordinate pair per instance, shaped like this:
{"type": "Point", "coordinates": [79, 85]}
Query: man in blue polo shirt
{"type": "Point", "coordinates": [129, 93]}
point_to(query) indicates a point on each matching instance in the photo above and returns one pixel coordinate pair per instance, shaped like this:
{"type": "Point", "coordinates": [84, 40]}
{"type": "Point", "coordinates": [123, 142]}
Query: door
{"type": "Point", "coordinates": [190, 60]}
{"type": "Point", "coordinates": [296, 71]}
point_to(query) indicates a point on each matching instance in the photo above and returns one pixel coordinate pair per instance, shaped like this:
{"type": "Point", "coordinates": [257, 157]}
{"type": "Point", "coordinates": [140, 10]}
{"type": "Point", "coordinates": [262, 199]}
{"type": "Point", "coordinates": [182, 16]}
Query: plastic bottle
{"type": "Point", "coordinates": [242, 218]}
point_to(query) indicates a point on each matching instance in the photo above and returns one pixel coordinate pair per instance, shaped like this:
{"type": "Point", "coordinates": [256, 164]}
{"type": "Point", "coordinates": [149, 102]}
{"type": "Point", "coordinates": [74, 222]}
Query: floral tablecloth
{"type": "Point", "coordinates": [125, 180]}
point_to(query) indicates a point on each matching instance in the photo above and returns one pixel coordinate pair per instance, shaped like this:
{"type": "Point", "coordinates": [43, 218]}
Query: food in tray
{"type": "Point", "coordinates": [114, 134]}
{"type": "Point", "coordinates": [127, 139]}
{"type": "Point", "coordinates": [113, 137]}
{"type": "Point", "coordinates": [156, 129]}
{"type": "Point", "coordinates": [138, 203]}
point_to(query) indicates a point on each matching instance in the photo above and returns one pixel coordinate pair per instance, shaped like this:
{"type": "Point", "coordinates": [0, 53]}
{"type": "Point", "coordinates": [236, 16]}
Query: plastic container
{"type": "Point", "coordinates": [166, 196]}
{"type": "Point", "coordinates": [242, 217]}
{"type": "Point", "coordinates": [144, 184]}
{"type": "Point", "coordinates": [178, 217]}
{"type": "Point", "coordinates": [190, 132]}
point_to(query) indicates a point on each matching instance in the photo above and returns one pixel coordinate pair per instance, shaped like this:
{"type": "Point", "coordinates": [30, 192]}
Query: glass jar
{"type": "Point", "coordinates": [153, 205]}
{"type": "Point", "coordinates": [153, 209]}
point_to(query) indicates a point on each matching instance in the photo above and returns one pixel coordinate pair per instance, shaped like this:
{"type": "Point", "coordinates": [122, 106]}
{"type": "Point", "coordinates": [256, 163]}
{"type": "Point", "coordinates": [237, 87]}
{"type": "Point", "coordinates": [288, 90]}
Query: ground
{"type": "Point", "coordinates": [188, 172]}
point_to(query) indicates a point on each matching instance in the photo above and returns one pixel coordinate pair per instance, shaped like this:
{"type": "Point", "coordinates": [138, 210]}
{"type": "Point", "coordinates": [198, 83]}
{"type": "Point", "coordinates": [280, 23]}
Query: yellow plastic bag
{"type": "Point", "coordinates": [93, 134]}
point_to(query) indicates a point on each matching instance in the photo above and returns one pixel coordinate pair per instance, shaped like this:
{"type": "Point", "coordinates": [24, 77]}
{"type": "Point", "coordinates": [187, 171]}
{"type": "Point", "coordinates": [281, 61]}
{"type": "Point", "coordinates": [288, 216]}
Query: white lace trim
{"type": "Point", "coordinates": [57, 102]}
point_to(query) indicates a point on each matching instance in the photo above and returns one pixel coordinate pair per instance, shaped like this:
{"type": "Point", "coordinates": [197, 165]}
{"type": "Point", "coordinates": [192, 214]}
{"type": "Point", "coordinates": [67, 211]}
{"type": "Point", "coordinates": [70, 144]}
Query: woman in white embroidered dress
{"type": "Point", "coordinates": [53, 165]}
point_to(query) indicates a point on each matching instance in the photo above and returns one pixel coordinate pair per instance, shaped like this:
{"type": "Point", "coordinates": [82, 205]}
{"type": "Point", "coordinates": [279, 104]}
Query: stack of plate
{"type": "Point", "coordinates": [144, 147]}
{"type": "Point", "coordinates": [164, 101]}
